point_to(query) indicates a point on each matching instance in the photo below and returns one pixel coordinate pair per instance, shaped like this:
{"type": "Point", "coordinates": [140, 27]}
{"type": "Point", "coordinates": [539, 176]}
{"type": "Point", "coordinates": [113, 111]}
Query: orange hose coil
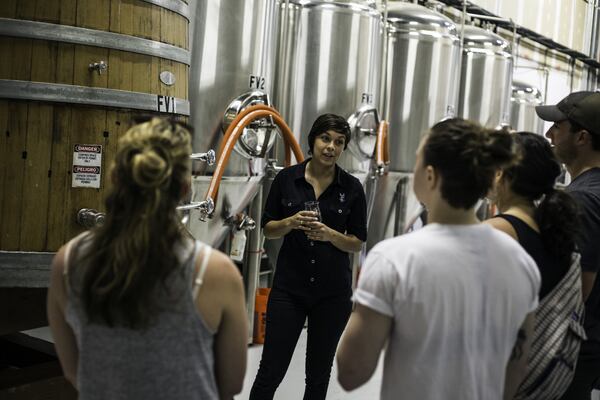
{"type": "Point", "coordinates": [234, 132]}
{"type": "Point", "coordinates": [237, 119]}
{"type": "Point", "coordinates": [382, 154]}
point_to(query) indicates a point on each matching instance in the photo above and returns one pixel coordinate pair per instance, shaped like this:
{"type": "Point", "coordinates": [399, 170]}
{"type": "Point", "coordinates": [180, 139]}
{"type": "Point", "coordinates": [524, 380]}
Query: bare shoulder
{"type": "Point", "coordinates": [221, 270]}
{"type": "Point", "coordinates": [57, 292]}
{"type": "Point", "coordinates": [58, 262]}
{"type": "Point", "coordinates": [502, 225]}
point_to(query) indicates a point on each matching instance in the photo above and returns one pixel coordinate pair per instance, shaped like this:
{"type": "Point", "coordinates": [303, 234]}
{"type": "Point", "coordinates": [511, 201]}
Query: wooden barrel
{"type": "Point", "coordinates": [53, 102]}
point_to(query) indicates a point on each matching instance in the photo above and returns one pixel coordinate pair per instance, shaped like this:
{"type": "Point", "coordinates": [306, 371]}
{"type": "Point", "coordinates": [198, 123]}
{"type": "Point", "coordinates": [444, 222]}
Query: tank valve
{"type": "Point", "coordinates": [99, 66]}
{"type": "Point", "coordinates": [206, 208]}
{"type": "Point", "coordinates": [241, 222]}
{"type": "Point", "coordinates": [90, 218]}
{"type": "Point", "coordinates": [208, 157]}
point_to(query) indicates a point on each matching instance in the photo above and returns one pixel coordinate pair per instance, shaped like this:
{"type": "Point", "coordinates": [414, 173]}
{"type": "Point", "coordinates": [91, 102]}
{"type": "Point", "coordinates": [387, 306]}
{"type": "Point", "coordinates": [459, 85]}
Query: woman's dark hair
{"type": "Point", "coordinates": [534, 177]}
{"type": "Point", "coordinates": [467, 156]}
{"type": "Point", "coordinates": [328, 122]}
{"type": "Point", "coordinates": [133, 252]}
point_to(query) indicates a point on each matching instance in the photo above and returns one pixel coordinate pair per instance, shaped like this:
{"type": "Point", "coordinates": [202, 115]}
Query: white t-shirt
{"type": "Point", "coordinates": [458, 295]}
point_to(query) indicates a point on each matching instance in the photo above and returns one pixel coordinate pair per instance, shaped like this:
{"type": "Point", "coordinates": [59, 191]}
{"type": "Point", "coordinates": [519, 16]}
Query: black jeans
{"type": "Point", "coordinates": [587, 372]}
{"type": "Point", "coordinates": [286, 314]}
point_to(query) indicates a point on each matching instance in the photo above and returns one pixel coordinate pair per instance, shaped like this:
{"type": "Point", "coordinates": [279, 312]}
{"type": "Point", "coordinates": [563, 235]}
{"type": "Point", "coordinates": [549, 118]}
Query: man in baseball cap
{"type": "Point", "coordinates": [575, 136]}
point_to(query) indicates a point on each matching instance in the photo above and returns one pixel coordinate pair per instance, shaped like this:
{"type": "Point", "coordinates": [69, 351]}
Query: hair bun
{"type": "Point", "coordinates": [150, 169]}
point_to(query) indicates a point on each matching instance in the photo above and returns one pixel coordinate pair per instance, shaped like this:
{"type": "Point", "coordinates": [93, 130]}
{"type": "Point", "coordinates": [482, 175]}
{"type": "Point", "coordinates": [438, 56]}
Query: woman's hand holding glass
{"type": "Point", "coordinates": [302, 220]}
{"type": "Point", "coordinates": [318, 231]}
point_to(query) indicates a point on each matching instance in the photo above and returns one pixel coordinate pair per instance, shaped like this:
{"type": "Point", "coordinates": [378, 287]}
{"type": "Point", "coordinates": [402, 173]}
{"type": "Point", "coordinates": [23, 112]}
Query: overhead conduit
{"type": "Point", "coordinates": [233, 133]}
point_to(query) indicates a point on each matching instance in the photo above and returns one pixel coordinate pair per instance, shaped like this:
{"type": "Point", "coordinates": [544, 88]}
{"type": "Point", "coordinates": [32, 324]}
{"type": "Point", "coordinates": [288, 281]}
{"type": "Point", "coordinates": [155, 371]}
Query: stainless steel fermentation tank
{"type": "Point", "coordinates": [329, 62]}
{"type": "Point", "coordinates": [421, 75]}
{"type": "Point", "coordinates": [486, 78]}
{"type": "Point", "coordinates": [233, 62]}
{"type": "Point", "coordinates": [524, 99]}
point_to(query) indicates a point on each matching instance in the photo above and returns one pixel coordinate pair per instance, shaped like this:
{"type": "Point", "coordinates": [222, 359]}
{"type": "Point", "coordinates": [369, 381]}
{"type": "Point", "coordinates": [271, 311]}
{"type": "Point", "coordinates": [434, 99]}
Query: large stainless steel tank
{"type": "Point", "coordinates": [524, 99]}
{"type": "Point", "coordinates": [421, 84]}
{"type": "Point", "coordinates": [233, 62]}
{"type": "Point", "coordinates": [486, 78]}
{"type": "Point", "coordinates": [421, 73]}
{"type": "Point", "coordinates": [328, 62]}
{"type": "Point", "coordinates": [233, 52]}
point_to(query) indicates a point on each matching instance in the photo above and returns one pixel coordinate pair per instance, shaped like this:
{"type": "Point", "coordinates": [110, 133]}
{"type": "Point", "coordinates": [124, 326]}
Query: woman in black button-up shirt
{"type": "Point", "coordinates": [313, 277]}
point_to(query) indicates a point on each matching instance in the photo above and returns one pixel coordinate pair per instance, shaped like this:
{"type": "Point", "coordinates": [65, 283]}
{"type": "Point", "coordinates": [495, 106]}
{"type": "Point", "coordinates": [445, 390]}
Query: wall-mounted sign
{"type": "Point", "coordinates": [87, 165]}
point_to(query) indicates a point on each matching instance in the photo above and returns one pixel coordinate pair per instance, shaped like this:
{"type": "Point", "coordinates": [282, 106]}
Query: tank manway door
{"type": "Point", "coordinates": [363, 125]}
{"type": "Point", "coordinates": [258, 138]}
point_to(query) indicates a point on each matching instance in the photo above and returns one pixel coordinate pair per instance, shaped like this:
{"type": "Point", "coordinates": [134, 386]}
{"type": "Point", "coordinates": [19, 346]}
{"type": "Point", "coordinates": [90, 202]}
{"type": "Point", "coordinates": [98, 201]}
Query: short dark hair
{"type": "Point", "coordinates": [576, 127]}
{"type": "Point", "coordinates": [467, 156]}
{"type": "Point", "coordinates": [328, 122]}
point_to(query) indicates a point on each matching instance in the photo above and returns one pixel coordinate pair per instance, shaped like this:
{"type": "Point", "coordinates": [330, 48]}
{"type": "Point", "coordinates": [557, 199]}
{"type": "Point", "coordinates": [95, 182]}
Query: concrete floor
{"type": "Point", "coordinates": [292, 387]}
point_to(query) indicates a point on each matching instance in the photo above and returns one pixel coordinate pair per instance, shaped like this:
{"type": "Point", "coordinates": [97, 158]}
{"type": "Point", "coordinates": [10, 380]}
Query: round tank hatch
{"type": "Point", "coordinates": [363, 127]}
{"type": "Point", "coordinates": [258, 137]}
{"type": "Point", "coordinates": [481, 40]}
{"type": "Point", "coordinates": [409, 17]}
{"type": "Point", "coordinates": [523, 92]}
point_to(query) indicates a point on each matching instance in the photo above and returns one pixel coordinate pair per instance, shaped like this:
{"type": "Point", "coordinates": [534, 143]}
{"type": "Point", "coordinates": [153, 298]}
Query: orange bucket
{"type": "Point", "coordinates": [260, 315]}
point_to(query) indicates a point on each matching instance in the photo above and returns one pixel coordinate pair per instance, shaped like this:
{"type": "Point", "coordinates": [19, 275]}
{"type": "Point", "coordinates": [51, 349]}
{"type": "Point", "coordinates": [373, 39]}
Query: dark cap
{"type": "Point", "coordinates": [580, 107]}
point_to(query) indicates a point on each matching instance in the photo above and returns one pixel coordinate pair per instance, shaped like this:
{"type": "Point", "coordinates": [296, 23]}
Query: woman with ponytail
{"type": "Point", "coordinates": [444, 297]}
{"type": "Point", "coordinates": [544, 221]}
{"type": "Point", "coordinates": [137, 309]}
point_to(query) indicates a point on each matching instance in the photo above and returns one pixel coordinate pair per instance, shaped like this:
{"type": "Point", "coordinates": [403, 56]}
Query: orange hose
{"type": "Point", "coordinates": [237, 119]}
{"type": "Point", "coordinates": [232, 137]}
{"type": "Point", "coordinates": [382, 156]}
{"type": "Point", "coordinates": [386, 144]}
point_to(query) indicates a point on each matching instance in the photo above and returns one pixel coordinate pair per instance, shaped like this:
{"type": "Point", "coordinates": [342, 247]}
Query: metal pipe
{"type": "Point", "coordinates": [208, 157]}
{"type": "Point", "coordinates": [206, 204]}
{"type": "Point", "coordinates": [486, 17]}
{"type": "Point", "coordinates": [253, 258]}
{"type": "Point", "coordinates": [90, 218]}
{"type": "Point", "coordinates": [507, 116]}
{"type": "Point", "coordinates": [462, 49]}
{"type": "Point", "coordinates": [400, 195]}
{"type": "Point", "coordinates": [384, 62]}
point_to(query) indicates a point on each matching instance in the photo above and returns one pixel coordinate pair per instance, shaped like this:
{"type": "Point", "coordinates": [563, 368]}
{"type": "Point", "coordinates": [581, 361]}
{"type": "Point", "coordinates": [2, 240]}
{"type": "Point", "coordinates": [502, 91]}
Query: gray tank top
{"type": "Point", "coordinates": [173, 359]}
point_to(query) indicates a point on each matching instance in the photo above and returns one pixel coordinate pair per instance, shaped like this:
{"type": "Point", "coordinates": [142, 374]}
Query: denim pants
{"type": "Point", "coordinates": [286, 314]}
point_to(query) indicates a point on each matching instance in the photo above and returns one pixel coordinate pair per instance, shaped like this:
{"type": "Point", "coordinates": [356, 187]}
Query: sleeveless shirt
{"type": "Point", "coordinates": [171, 359]}
{"type": "Point", "coordinates": [550, 270]}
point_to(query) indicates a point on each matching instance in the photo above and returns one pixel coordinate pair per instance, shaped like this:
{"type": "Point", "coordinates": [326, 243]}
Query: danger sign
{"type": "Point", "coordinates": [87, 165]}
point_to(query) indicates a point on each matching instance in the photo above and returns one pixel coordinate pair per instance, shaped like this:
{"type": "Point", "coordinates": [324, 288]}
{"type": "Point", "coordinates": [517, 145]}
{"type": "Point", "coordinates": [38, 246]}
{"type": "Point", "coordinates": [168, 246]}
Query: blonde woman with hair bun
{"type": "Point", "coordinates": [137, 309]}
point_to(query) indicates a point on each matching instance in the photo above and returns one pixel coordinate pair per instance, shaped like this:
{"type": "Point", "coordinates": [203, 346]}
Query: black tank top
{"type": "Point", "coordinates": [550, 269]}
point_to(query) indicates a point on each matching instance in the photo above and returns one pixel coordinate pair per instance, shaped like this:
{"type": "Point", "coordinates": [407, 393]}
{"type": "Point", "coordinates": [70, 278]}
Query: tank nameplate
{"type": "Point", "coordinates": [256, 82]}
